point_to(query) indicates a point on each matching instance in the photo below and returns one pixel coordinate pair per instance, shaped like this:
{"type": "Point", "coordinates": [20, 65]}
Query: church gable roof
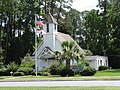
{"type": "Point", "coordinates": [65, 37]}
{"type": "Point", "coordinates": [51, 19]}
{"type": "Point", "coordinates": [46, 53]}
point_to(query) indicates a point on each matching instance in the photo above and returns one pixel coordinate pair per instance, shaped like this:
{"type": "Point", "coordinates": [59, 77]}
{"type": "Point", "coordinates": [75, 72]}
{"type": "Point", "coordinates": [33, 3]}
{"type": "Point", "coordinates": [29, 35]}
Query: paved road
{"type": "Point", "coordinates": [62, 83]}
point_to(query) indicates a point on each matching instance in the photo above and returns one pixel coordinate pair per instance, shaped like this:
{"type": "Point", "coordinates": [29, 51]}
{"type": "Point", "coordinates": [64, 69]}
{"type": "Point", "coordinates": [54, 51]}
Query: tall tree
{"type": "Point", "coordinates": [70, 52]}
{"type": "Point", "coordinates": [17, 25]}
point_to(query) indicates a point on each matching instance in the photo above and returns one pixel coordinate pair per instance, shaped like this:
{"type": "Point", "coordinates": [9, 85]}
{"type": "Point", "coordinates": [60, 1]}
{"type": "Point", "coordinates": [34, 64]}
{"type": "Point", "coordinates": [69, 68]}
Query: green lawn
{"type": "Point", "coordinates": [60, 88]}
{"type": "Point", "coordinates": [4, 77]}
{"type": "Point", "coordinates": [113, 74]}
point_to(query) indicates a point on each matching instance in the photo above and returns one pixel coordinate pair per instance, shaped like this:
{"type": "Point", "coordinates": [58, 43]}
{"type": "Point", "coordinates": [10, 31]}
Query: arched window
{"type": "Point", "coordinates": [47, 27]}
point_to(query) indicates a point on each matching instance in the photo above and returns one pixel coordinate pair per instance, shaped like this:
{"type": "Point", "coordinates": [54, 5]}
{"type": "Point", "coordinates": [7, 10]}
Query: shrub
{"type": "Point", "coordinates": [18, 74]}
{"type": "Point", "coordinates": [38, 73]}
{"type": "Point", "coordinates": [6, 71]}
{"type": "Point", "coordinates": [77, 72]}
{"type": "Point", "coordinates": [12, 67]}
{"type": "Point", "coordinates": [103, 68]}
{"type": "Point", "coordinates": [33, 73]}
{"type": "Point", "coordinates": [3, 72]}
{"type": "Point", "coordinates": [55, 69]}
{"type": "Point", "coordinates": [89, 71]}
{"type": "Point", "coordinates": [45, 74]}
{"type": "Point", "coordinates": [26, 70]}
{"type": "Point", "coordinates": [46, 69]}
{"type": "Point", "coordinates": [28, 63]}
{"type": "Point", "coordinates": [84, 63]}
{"type": "Point", "coordinates": [65, 72]}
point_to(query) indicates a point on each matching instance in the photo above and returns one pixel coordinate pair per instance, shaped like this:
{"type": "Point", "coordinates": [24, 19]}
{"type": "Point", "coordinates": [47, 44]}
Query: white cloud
{"type": "Point", "coordinates": [82, 5]}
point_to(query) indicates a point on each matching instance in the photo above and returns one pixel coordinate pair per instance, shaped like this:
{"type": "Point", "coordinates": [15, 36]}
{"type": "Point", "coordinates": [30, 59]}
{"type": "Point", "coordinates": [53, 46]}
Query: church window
{"type": "Point", "coordinates": [55, 26]}
{"type": "Point", "coordinates": [100, 62]}
{"type": "Point", "coordinates": [106, 62]}
{"type": "Point", "coordinates": [47, 27]}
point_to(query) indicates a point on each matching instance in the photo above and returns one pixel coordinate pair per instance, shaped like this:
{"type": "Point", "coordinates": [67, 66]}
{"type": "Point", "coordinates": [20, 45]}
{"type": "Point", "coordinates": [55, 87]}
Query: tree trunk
{"type": "Point", "coordinates": [67, 64]}
{"type": "Point", "coordinates": [45, 7]}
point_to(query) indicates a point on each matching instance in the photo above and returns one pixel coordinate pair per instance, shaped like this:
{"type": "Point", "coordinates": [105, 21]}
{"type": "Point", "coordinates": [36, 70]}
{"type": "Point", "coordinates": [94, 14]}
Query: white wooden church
{"type": "Point", "coordinates": [52, 41]}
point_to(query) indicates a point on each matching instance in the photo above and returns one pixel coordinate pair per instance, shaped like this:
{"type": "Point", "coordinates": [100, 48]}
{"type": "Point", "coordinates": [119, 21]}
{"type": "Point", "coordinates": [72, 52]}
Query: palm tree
{"type": "Point", "coordinates": [70, 52]}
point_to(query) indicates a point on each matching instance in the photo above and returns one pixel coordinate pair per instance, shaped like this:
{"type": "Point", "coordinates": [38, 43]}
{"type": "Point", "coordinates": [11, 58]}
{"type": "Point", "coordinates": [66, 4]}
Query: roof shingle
{"type": "Point", "coordinates": [65, 37]}
{"type": "Point", "coordinates": [51, 19]}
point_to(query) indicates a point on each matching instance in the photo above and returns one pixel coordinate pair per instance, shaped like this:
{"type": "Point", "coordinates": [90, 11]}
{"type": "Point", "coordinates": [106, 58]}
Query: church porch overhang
{"type": "Point", "coordinates": [46, 56]}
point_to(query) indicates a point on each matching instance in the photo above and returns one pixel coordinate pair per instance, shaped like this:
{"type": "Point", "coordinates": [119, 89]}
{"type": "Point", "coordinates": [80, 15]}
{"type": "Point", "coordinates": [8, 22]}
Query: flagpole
{"type": "Point", "coordinates": [36, 67]}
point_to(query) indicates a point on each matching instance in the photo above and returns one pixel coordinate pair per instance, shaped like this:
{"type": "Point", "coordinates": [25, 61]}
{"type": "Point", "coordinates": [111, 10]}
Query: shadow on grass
{"type": "Point", "coordinates": [1, 78]}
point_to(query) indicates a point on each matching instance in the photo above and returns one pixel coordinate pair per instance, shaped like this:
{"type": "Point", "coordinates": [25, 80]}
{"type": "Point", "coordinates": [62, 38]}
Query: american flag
{"type": "Point", "coordinates": [38, 21]}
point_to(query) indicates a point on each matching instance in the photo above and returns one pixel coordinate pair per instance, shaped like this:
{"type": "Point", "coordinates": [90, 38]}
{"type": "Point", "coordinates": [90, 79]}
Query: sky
{"type": "Point", "coordinates": [82, 5]}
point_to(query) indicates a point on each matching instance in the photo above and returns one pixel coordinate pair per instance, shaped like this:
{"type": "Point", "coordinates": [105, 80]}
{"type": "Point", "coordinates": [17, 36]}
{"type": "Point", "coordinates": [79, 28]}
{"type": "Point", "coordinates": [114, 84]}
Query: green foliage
{"type": "Point", "coordinates": [1, 54]}
{"type": "Point", "coordinates": [6, 71]}
{"type": "Point", "coordinates": [89, 71]}
{"type": "Point", "coordinates": [18, 74]}
{"type": "Point", "coordinates": [25, 70]}
{"type": "Point", "coordinates": [28, 63]}
{"type": "Point", "coordinates": [55, 69]}
{"type": "Point", "coordinates": [18, 17]}
{"type": "Point", "coordinates": [65, 27]}
{"type": "Point", "coordinates": [3, 72]}
{"type": "Point", "coordinates": [84, 63]}
{"type": "Point", "coordinates": [45, 74]}
{"type": "Point", "coordinates": [67, 72]}
{"type": "Point", "coordinates": [70, 51]}
{"type": "Point", "coordinates": [46, 69]}
{"type": "Point", "coordinates": [98, 31]}
{"type": "Point", "coordinates": [41, 73]}
{"type": "Point", "coordinates": [103, 68]}
{"type": "Point", "coordinates": [12, 67]}
{"type": "Point", "coordinates": [114, 61]}
{"type": "Point", "coordinates": [88, 53]}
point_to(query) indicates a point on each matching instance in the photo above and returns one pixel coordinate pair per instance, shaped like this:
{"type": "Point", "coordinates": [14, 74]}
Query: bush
{"type": "Point", "coordinates": [77, 72]}
{"type": "Point", "coordinates": [45, 74]}
{"type": "Point", "coordinates": [46, 69]}
{"type": "Point", "coordinates": [89, 71]}
{"type": "Point", "coordinates": [103, 68]}
{"type": "Point", "coordinates": [40, 73]}
{"type": "Point", "coordinates": [6, 71]}
{"type": "Point", "coordinates": [33, 73]}
{"type": "Point", "coordinates": [84, 63]}
{"type": "Point", "coordinates": [3, 72]}
{"type": "Point", "coordinates": [55, 69]}
{"type": "Point", "coordinates": [12, 67]}
{"type": "Point", "coordinates": [18, 74]}
{"type": "Point", "coordinates": [28, 63]}
{"type": "Point", "coordinates": [65, 72]}
{"type": "Point", "coordinates": [25, 70]}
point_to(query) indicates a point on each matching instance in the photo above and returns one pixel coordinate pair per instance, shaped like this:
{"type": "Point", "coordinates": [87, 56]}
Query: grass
{"type": "Point", "coordinates": [4, 77]}
{"type": "Point", "coordinates": [61, 88]}
{"type": "Point", "coordinates": [113, 74]}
